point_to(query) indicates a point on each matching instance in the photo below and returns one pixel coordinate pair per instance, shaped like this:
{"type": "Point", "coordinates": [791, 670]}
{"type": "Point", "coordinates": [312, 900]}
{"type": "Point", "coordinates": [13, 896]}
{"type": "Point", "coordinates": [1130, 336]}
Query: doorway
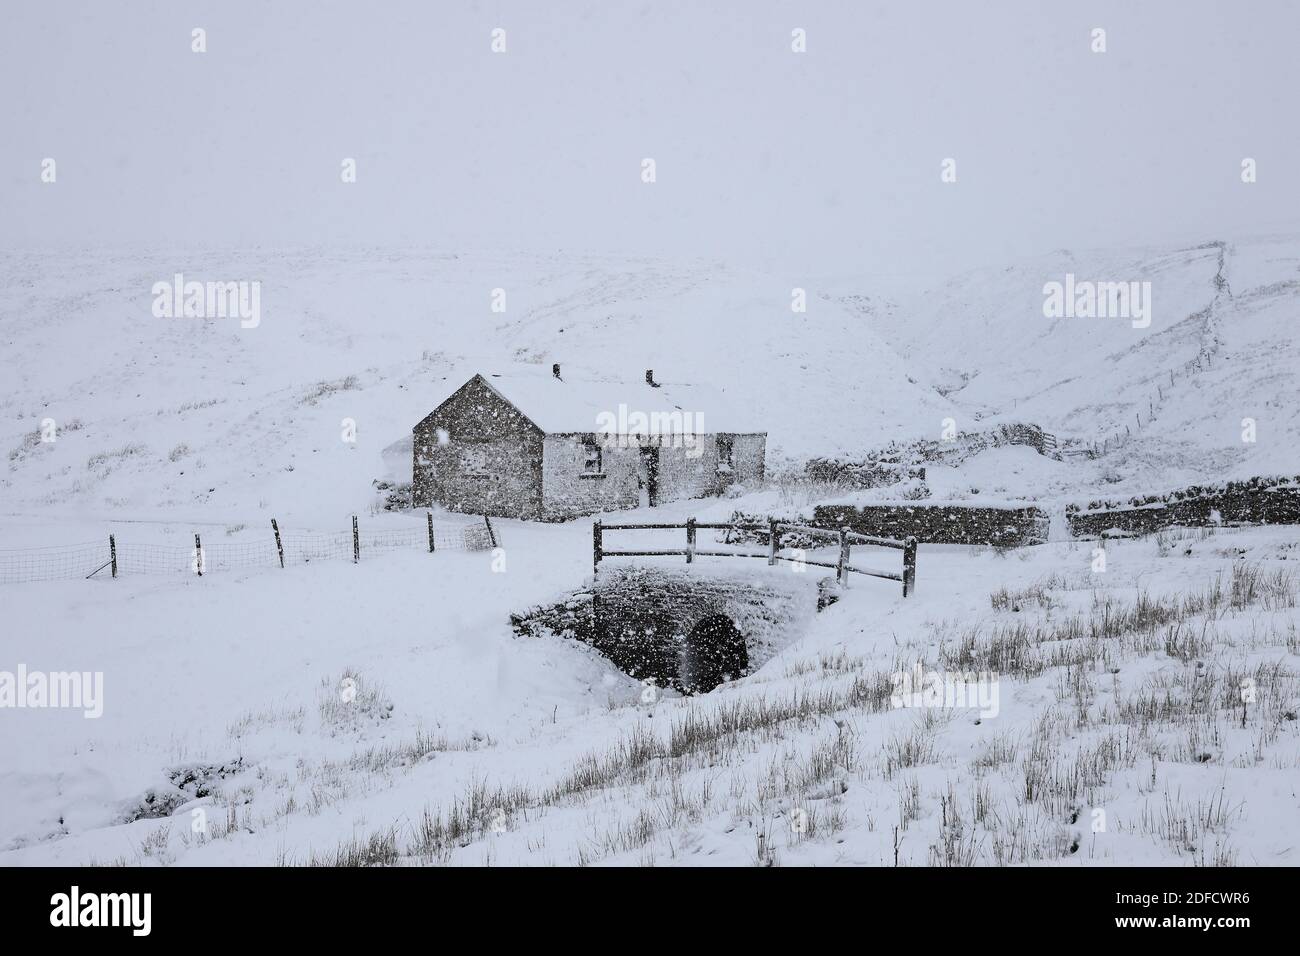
{"type": "Point", "coordinates": [648, 475]}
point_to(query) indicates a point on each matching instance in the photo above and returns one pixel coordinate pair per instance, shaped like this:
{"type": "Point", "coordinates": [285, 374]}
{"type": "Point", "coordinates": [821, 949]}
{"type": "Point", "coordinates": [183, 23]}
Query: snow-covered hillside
{"type": "Point", "coordinates": [180, 413]}
{"type": "Point", "coordinates": [983, 340]}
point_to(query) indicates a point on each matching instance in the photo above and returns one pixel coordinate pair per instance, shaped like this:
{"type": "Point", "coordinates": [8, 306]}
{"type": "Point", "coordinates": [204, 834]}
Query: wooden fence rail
{"type": "Point", "coordinates": [843, 566]}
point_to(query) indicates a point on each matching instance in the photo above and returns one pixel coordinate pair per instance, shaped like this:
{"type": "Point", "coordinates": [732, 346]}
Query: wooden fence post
{"type": "Point", "coordinates": [596, 548]}
{"type": "Point", "coordinates": [690, 540]}
{"type": "Point", "coordinates": [842, 569]}
{"type": "Point", "coordinates": [356, 541]}
{"type": "Point", "coordinates": [279, 545]}
{"type": "Point", "coordinates": [909, 566]}
{"type": "Point", "coordinates": [112, 553]}
{"type": "Point", "coordinates": [198, 555]}
{"type": "Point", "coordinates": [492, 535]}
{"type": "Point", "coordinates": [430, 515]}
{"type": "Point", "coordinates": [773, 541]}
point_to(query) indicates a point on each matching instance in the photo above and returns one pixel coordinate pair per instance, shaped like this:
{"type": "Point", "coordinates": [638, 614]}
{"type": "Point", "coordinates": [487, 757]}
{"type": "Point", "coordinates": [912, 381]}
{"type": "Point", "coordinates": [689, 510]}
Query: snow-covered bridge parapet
{"type": "Point", "coordinates": [691, 627]}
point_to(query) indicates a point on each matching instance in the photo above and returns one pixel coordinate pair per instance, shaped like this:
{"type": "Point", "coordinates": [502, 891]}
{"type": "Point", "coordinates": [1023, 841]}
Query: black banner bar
{"type": "Point", "coordinates": [332, 906]}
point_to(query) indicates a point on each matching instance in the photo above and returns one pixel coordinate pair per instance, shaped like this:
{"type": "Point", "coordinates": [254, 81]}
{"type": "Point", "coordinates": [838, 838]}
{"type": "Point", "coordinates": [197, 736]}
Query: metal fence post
{"type": "Point", "coordinates": [690, 540]}
{"type": "Point", "coordinates": [430, 515]}
{"type": "Point", "coordinates": [198, 555]}
{"type": "Point", "coordinates": [773, 541]}
{"type": "Point", "coordinates": [356, 541]}
{"type": "Point", "coordinates": [112, 553]}
{"type": "Point", "coordinates": [279, 546]}
{"type": "Point", "coordinates": [596, 548]}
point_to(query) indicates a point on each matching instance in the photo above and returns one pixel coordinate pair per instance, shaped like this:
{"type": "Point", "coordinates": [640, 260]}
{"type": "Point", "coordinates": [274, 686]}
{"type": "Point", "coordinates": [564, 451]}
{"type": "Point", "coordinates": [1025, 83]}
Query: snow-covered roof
{"type": "Point", "coordinates": [567, 405]}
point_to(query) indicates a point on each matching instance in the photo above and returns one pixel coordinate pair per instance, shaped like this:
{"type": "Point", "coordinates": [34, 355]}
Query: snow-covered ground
{"type": "Point", "coordinates": [384, 711]}
{"type": "Point", "coordinates": [1123, 749]}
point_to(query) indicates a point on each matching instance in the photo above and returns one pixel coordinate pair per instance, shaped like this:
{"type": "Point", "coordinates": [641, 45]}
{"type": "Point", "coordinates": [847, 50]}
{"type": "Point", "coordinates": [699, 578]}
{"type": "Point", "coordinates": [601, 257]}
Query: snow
{"type": "Point", "coordinates": [242, 666]}
{"type": "Point", "coordinates": [566, 405]}
{"type": "Point", "coordinates": [797, 267]}
{"type": "Point", "coordinates": [982, 337]}
{"type": "Point", "coordinates": [171, 427]}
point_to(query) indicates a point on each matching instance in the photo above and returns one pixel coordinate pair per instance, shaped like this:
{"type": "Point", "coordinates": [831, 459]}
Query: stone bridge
{"type": "Point", "coordinates": [690, 627]}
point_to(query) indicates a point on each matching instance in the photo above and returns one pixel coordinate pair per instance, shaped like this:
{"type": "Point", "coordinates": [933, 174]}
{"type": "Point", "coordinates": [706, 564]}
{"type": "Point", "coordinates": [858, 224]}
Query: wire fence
{"type": "Point", "coordinates": [113, 558]}
{"type": "Point", "coordinates": [1209, 346]}
{"type": "Point", "coordinates": [52, 564]}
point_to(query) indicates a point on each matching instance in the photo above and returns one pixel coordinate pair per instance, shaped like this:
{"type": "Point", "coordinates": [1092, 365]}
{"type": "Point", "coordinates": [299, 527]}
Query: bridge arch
{"type": "Point", "coordinates": [688, 628]}
{"type": "Point", "coordinates": [713, 653]}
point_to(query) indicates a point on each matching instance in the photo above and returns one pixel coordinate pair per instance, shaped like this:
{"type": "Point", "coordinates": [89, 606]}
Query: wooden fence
{"type": "Point", "coordinates": [845, 538]}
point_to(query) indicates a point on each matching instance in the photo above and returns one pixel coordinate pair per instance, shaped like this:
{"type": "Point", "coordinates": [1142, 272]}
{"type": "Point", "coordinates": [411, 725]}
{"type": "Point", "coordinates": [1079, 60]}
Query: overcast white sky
{"type": "Point", "coordinates": [826, 161]}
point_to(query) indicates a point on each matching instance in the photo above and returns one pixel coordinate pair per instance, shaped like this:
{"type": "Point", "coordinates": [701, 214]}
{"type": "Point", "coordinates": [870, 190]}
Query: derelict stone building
{"type": "Point", "coordinates": [534, 445]}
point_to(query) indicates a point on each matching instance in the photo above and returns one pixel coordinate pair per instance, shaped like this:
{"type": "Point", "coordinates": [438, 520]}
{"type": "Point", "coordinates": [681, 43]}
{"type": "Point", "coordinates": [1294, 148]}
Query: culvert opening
{"type": "Point", "coordinates": [678, 628]}
{"type": "Point", "coordinates": [713, 653]}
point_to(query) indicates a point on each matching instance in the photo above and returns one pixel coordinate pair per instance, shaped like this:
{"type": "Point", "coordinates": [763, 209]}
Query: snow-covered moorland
{"type": "Point", "coordinates": [1141, 715]}
{"type": "Point", "coordinates": [385, 712]}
